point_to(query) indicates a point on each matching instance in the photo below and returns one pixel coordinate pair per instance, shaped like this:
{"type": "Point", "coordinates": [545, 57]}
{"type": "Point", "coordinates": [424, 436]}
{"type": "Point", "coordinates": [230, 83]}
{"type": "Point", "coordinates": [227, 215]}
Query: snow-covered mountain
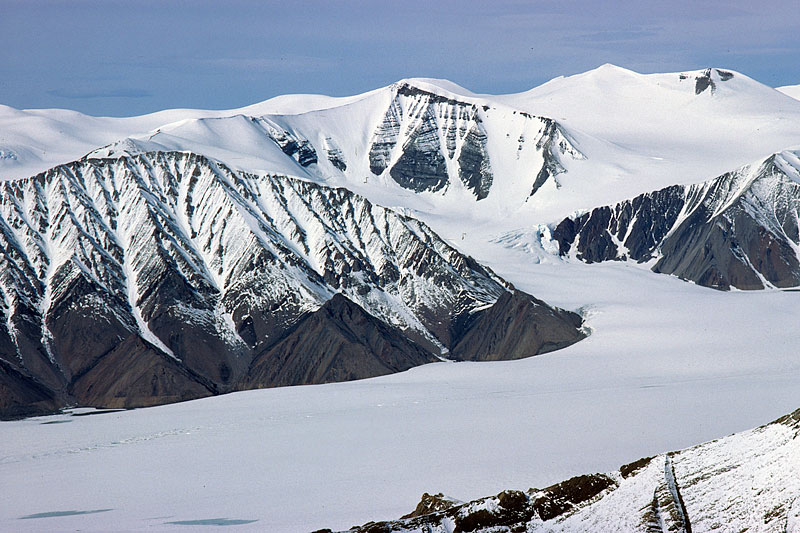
{"type": "Point", "coordinates": [744, 482]}
{"type": "Point", "coordinates": [738, 230]}
{"type": "Point", "coordinates": [165, 275]}
{"type": "Point", "coordinates": [34, 140]}
{"type": "Point", "coordinates": [201, 239]}
{"type": "Point", "coordinates": [434, 147]}
{"type": "Point", "coordinates": [190, 252]}
{"type": "Point", "coordinates": [790, 90]}
{"type": "Point", "coordinates": [411, 137]}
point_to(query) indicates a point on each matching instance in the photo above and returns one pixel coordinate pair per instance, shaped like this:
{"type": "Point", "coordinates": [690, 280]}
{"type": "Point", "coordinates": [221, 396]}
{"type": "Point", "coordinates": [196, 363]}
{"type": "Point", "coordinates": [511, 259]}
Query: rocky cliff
{"type": "Point", "coordinates": [165, 276]}
{"type": "Point", "coordinates": [738, 230]}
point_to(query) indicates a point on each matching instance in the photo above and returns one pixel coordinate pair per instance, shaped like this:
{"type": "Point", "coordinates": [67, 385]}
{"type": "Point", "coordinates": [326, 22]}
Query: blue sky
{"type": "Point", "coordinates": [109, 57]}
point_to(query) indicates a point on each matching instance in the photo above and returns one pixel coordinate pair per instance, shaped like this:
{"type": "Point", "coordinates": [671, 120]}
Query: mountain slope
{"type": "Point", "coordinates": [792, 91]}
{"type": "Point", "coordinates": [515, 326]}
{"type": "Point", "coordinates": [746, 481]}
{"type": "Point", "coordinates": [338, 342]}
{"type": "Point", "coordinates": [738, 230]}
{"type": "Point", "coordinates": [192, 270]}
{"type": "Point", "coordinates": [431, 146]}
{"type": "Point", "coordinates": [410, 136]}
{"type": "Point", "coordinates": [34, 140]}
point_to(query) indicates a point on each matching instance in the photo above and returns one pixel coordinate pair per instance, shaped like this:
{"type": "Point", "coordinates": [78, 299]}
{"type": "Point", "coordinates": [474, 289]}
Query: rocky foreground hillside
{"type": "Point", "coordinates": [745, 482]}
{"type": "Point", "coordinates": [739, 230]}
{"type": "Point", "coordinates": [166, 276]}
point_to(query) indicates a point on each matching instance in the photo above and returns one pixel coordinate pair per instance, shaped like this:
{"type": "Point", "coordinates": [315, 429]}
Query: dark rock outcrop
{"type": "Point", "coordinates": [473, 162]}
{"type": "Point", "coordinates": [300, 149]}
{"type": "Point", "coordinates": [431, 503]}
{"type": "Point", "coordinates": [415, 120]}
{"type": "Point", "coordinates": [553, 143]}
{"type": "Point", "coordinates": [511, 510]}
{"type": "Point", "coordinates": [163, 276]}
{"type": "Point", "coordinates": [338, 342]}
{"type": "Point", "coordinates": [514, 327]}
{"type": "Point", "coordinates": [739, 230]}
{"type": "Point", "coordinates": [335, 155]}
{"type": "Point", "coordinates": [709, 79]}
{"type": "Point", "coordinates": [22, 395]}
{"type": "Point", "coordinates": [421, 166]}
{"type": "Point", "coordinates": [427, 141]}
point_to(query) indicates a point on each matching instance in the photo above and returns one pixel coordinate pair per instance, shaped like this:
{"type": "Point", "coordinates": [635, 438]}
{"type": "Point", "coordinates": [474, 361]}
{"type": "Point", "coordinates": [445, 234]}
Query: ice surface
{"type": "Point", "coordinates": [668, 365]}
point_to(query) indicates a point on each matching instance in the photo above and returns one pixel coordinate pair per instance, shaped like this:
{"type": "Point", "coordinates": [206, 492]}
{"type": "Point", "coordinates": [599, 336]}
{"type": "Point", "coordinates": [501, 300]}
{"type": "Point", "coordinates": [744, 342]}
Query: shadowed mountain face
{"type": "Point", "coordinates": [22, 396]}
{"type": "Point", "coordinates": [166, 276]}
{"type": "Point", "coordinates": [742, 482]}
{"type": "Point", "coordinates": [739, 230]}
{"type": "Point", "coordinates": [516, 326]}
{"type": "Point", "coordinates": [338, 342]}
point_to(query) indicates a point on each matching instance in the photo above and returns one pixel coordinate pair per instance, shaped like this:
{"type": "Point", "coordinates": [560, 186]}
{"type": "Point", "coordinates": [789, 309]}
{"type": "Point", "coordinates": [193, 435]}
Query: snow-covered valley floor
{"type": "Point", "coordinates": [668, 365]}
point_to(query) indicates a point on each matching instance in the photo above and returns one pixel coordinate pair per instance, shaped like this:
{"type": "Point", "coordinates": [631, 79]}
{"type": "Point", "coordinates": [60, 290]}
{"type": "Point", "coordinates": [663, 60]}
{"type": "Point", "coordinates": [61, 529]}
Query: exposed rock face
{"type": "Point", "coordinates": [511, 510]}
{"type": "Point", "coordinates": [21, 395]}
{"type": "Point", "coordinates": [292, 145]}
{"type": "Point", "coordinates": [738, 230]}
{"type": "Point", "coordinates": [335, 154]}
{"type": "Point", "coordinates": [421, 166]}
{"type": "Point", "coordinates": [516, 326]}
{"type": "Point", "coordinates": [427, 141]}
{"type": "Point", "coordinates": [709, 79]}
{"type": "Point", "coordinates": [160, 277]}
{"type": "Point", "coordinates": [338, 342]}
{"type": "Point", "coordinates": [430, 503]}
{"type": "Point", "coordinates": [747, 481]}
{"type": "Point", "coordinates": [415, 122]}
{"type": "Point", "coordinates": [473, 162]}
{"type": "Point", "coordinates": [554, 143]}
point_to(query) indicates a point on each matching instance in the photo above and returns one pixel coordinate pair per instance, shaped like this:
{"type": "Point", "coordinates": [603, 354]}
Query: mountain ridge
{"type": "Point", "coordinates": [194, 269]}
{"type": "Point", "coordinates": [736, 231]}
{"type": "Point", "coordinates": [694, 489]}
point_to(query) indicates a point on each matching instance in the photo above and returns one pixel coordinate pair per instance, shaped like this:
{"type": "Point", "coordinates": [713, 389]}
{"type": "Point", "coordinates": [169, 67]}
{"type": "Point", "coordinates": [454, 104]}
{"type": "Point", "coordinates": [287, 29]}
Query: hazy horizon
{"type": "Point", "coordinates": [107, 57]}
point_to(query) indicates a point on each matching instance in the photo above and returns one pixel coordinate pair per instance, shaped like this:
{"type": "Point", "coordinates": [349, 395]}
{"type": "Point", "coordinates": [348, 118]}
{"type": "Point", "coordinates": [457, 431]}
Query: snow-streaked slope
{"type": "Point", "coordinates": [209, 268]}
{"type": "Point", "coordinates": [738, 230]}
{"type": "Point", "coordinates": [602, 136]}
{"type": "Point", "coordinates": [302, 458]}
{"type": "Point", "coordinates": [33, 140]}
{"type": "Point", "coordinates": [749, 481]}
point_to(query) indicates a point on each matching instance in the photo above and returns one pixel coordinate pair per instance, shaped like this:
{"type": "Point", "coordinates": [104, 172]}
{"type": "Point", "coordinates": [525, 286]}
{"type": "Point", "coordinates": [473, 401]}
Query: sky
{"type": "Point", "coordinates": [122, 58]}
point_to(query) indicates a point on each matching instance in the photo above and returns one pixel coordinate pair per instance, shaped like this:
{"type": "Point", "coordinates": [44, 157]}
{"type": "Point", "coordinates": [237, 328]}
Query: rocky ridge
{"type": "Point", "coordinates": [426, 141]}
{"type": "Point", "coordinates": [164, 276]}
{"type": "Point", "coordinates": [739, 230]}
{"type": "Point", "coordinates": [746, 481]}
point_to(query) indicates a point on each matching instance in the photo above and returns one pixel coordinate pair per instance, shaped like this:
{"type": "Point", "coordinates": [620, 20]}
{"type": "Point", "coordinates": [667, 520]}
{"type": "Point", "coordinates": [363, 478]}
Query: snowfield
{"type": "Point", "coordinates": [668, 365]}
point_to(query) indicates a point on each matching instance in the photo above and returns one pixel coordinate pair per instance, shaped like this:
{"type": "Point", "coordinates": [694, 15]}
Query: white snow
{"type": "Point", "coordinates": [790, 90]}
{"type": "Point", "coordinates": [634, 133]}
{"type": "Point", "coordinates": [668, 364]}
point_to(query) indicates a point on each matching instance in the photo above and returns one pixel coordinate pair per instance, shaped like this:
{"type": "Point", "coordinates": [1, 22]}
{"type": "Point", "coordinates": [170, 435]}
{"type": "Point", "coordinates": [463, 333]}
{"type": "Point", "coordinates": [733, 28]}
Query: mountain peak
{"type": "Point", "coordinates": [436, 86]}
{"type": "Point", "coordinates": [610, 67]}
